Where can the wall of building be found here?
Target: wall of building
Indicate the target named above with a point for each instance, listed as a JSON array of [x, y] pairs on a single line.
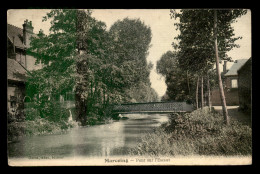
[[16, 88], [20, 57], [30, 63], [230, 94], [228, 80], [17, 91], [245, 85]]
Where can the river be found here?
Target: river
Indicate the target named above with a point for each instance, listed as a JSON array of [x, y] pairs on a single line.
[[113, 139]]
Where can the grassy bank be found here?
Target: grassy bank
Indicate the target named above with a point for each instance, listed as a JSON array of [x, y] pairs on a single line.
[[201, 132], [40, 126], [32, 124]]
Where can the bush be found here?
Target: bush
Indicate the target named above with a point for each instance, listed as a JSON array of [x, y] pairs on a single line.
[[233, 140], [160, 143], [198, 133], [31, 114], [16, 130], [48, 109], [17, 116], [53, 111], [196, 124]]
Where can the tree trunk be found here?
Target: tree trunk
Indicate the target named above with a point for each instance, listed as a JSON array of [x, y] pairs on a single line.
[[197, 92], [222, 95], [81, 103], [81, 108], [188, 82], [103, 97], [209, 97], [202, 93]]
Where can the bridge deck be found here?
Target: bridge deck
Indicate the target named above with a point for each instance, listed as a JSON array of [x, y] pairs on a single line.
[[153, 107]]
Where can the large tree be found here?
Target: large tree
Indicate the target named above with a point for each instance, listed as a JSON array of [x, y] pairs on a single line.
[[200, 43], [131, 42], [70, 53], [99, 66], [179, 83]]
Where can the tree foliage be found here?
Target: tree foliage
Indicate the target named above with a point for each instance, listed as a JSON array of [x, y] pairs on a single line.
[[179, 82], [131, 39], [100, 66], [196, 38], [195, 51], [167, 63]]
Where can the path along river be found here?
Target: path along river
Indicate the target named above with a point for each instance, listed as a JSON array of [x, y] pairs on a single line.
[[113, 139]]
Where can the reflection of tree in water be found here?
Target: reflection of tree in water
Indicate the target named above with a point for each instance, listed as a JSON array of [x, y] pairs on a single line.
[[101, 140], [114, 137], [97, 140]]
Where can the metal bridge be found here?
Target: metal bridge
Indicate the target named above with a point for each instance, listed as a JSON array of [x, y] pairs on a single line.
[[149, 107], [153, 107]]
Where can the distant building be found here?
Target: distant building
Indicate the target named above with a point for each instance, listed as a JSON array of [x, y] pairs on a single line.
[[231, 76], [230, 84], [19, 63], [245, 85]]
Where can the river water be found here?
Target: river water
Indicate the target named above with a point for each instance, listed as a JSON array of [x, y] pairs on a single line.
[[113, 139]]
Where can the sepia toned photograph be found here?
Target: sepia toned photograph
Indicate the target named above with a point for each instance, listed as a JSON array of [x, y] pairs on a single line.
[[129, 87]]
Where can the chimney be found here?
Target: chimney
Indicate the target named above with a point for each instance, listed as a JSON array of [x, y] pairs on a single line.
[[225, 67], [27, 32]]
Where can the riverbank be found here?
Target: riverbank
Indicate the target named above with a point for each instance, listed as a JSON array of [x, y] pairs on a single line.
[[40, 126], [111, 139], [201, 132]]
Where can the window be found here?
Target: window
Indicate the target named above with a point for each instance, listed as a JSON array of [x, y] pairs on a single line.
[[18, 57], [13, 104], [13, 100], [234, 83]]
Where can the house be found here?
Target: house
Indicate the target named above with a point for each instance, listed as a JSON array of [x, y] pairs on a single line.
[[231, 76], [230, 84], [16, 75], [18, 40], [19, 63], [245, 85]]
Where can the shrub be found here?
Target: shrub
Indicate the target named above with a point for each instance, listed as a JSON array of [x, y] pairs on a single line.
[[53, 111], [17, 116], [198, 133], [15, 130], [160, 143], [92, 118], [196, 124], [235, 139], [31, 114], [38, 126]]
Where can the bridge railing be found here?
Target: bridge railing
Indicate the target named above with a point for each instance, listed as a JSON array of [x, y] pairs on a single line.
[[154, 107]]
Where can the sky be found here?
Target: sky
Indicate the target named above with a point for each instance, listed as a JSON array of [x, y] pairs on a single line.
[[162, 27]]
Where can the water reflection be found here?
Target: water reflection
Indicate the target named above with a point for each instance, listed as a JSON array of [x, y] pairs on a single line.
[[100, 140]]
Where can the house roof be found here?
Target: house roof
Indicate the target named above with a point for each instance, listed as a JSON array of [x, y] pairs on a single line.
[[17, 34], [15, 71], [247, 62], [237, 65]]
